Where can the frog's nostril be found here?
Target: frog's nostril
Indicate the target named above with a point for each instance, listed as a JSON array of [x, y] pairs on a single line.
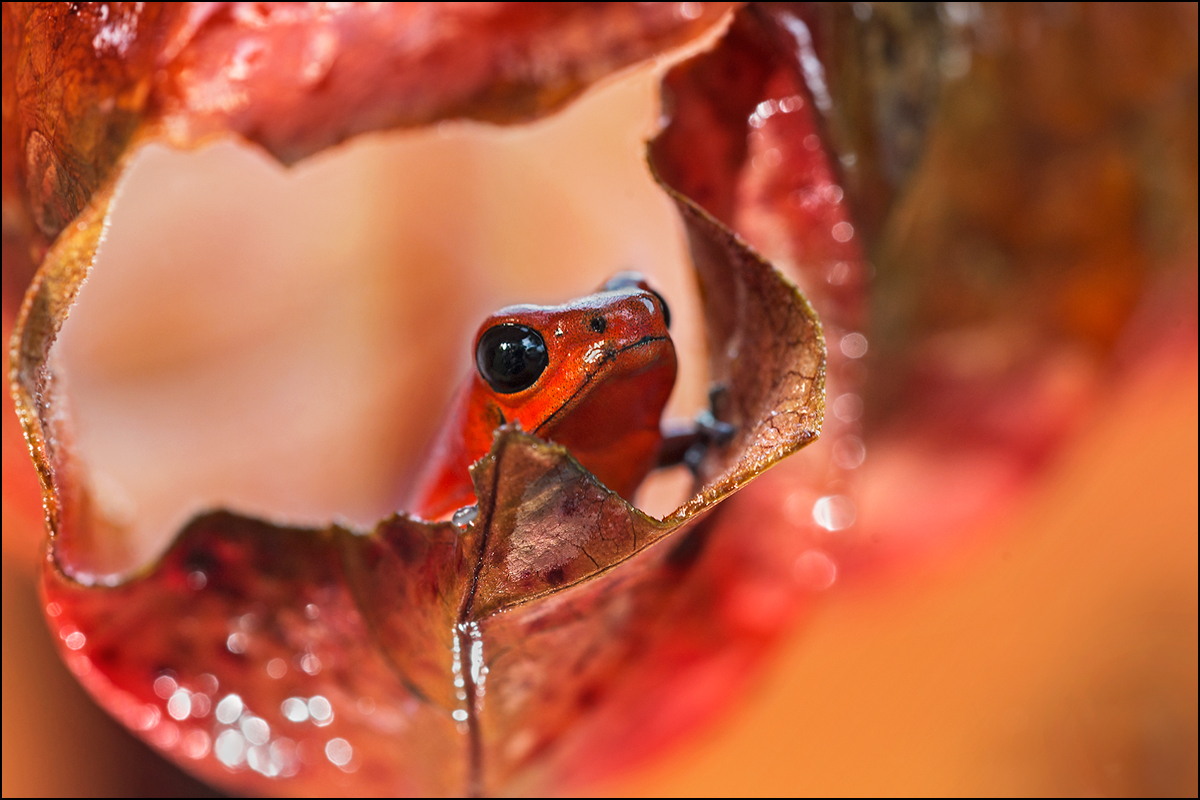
[[598, 324]]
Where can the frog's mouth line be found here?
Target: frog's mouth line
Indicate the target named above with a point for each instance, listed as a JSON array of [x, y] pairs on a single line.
[[609, 357]]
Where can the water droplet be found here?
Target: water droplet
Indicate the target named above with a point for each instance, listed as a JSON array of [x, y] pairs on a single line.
[[310, 664], [145, 718], [478, 668], [465, 516], [276, 668], [197, 580], [815, 571], [789, 104], [834, 513], [165, 735], [768, 159], [319, 56], [201, 705], [766, 108], [839, 273], [115, 35], [520, 744], [258, 758], [843, 232], [833, 193], [165, 686], [312, 611], [853, 345], [256, 730], [690, 10], [321, 710], [460, 714], [849, 452], [848, 407], [229, 709], [76, 640], [196, 744], [294, 709], [230, 749], [180, 704], [366, 705], [848, 160], [53, 609], [208, 683], [284, 757], [339, 751], [245, 56], [797, 507], [812, 143], [236, 643]]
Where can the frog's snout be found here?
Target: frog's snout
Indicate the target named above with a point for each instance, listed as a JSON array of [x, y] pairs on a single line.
[[635, 280]]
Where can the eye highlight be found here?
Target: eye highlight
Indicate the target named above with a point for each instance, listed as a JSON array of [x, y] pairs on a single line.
[[511, 357]]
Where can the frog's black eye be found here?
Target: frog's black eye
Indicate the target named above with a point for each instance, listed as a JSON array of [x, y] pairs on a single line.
[[511, 357]]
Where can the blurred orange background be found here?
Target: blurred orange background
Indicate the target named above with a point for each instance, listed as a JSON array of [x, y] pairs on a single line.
[[1054, 656]]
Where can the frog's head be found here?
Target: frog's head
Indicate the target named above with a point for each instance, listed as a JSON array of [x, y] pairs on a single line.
[[592, 375], [603, 364]]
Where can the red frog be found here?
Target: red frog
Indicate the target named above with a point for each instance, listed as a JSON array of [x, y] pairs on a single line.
[[592, 375]]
